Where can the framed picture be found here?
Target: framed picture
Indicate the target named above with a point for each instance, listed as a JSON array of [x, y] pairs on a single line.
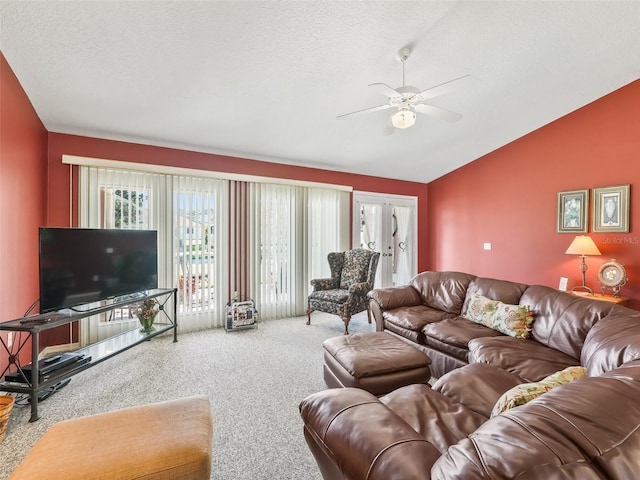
[[572, 211], [611, 209]]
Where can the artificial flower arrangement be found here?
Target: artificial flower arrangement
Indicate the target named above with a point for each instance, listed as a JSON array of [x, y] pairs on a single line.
[[146, 313]]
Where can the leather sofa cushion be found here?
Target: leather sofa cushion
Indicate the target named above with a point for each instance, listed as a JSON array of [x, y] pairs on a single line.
[[411, 335], [501, 290], [436, 418], [528, 359], [569, 432], [562, 320], [452, 335], [415, 317], [613, 341], [444, 291], [477, 386]]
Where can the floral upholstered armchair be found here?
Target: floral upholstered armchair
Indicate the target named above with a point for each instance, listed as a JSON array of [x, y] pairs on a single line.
[[344, 294]]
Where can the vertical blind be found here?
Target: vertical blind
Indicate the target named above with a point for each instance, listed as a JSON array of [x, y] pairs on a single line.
[[329, 228], [220, 238], [276, 249], [200, 230]]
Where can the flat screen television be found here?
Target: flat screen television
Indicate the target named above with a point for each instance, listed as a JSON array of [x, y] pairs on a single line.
[[83, 265]]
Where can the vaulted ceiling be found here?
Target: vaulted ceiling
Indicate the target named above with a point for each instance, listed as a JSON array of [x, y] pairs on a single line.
[[266, 79]]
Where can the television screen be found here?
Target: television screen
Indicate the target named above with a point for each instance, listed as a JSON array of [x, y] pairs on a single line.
[[83, 265]]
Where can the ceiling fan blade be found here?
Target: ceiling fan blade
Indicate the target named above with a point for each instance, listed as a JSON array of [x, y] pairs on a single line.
[[366, 110], [437, 112], [385, 89], [446, 87]]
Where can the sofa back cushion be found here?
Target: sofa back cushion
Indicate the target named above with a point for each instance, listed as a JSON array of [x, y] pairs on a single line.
[[562, 320], [444, 291], [612, 342], [502, 290]]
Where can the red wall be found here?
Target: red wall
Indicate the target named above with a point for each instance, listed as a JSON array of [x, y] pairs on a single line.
[[59, 144], [509, 198], [23, 164]]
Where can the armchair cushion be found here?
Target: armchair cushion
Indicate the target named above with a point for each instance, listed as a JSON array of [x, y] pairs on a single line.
[[355, 268], [336, 295]]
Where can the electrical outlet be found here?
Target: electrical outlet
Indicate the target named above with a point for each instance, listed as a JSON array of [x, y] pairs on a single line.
[[9, 339], [487, 246]]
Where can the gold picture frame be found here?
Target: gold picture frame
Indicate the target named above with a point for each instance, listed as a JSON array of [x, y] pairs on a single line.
[[611, 209], [573, 206]]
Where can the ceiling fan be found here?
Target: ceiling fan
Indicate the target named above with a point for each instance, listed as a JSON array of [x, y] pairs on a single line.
[[408, 100]]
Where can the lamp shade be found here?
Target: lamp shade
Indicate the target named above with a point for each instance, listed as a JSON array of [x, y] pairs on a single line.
[[403, 118], [583, 245]]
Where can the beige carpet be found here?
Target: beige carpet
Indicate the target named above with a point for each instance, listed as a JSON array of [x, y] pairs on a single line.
[[255, 379]]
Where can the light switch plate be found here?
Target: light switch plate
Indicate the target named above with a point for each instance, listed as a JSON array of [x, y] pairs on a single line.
[[563, 284], [487, 246]]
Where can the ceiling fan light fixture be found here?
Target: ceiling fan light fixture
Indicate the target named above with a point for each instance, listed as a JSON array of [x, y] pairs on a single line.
[[403, 118]]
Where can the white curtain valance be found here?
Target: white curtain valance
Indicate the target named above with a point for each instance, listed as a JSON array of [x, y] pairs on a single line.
[[168, 170]]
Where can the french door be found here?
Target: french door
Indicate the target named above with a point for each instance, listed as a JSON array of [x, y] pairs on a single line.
[[387, 224]]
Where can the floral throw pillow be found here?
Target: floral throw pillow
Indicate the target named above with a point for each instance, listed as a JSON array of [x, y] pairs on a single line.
[[481, 310], [512, 320], [525, 392]]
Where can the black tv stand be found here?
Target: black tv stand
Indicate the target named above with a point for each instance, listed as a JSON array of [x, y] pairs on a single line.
[[46, 393], [33, 325]]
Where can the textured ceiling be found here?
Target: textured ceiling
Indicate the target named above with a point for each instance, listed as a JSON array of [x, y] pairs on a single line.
[[266, 79]]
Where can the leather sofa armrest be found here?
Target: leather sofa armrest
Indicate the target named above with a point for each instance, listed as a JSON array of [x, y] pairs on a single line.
[[325, 283], [394, 297], [382, 447]]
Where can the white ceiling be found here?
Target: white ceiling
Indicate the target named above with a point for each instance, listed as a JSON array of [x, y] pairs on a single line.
[[266, 79]]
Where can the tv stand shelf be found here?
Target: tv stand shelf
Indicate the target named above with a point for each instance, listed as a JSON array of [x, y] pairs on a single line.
[[98, 351]]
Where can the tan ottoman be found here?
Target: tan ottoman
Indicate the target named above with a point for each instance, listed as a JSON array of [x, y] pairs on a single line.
[[377, 362], [168, 440]]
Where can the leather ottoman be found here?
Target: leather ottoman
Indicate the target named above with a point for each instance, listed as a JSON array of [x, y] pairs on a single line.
[[377, 362]]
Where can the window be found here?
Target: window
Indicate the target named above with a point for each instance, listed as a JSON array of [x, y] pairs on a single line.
[[279, 235]]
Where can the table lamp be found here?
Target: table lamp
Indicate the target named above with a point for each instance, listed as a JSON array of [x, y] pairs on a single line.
[[583, 245]]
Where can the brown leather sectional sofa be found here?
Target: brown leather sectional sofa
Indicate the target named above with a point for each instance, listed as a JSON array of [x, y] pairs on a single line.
[[586, 429]]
